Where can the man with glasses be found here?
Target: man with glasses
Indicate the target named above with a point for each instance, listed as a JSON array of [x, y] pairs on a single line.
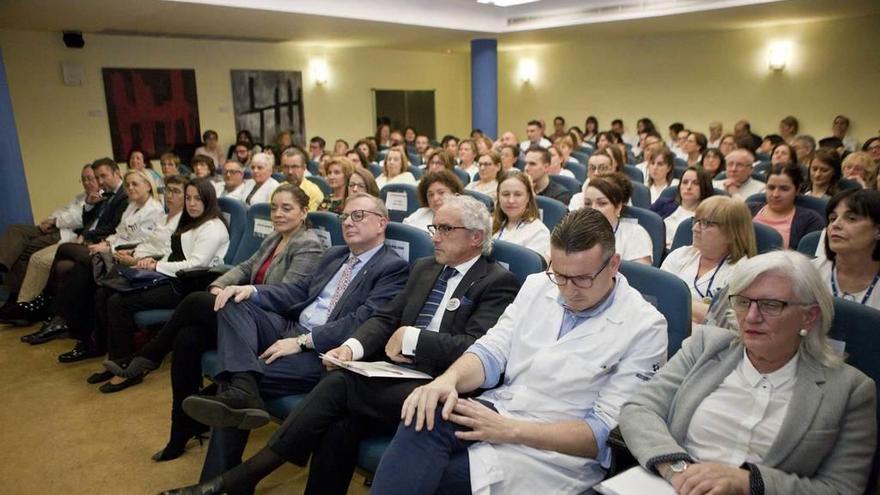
[[293, 166], [576, 343], [233, 181], [448, 302], [739, 182], [269, 336]]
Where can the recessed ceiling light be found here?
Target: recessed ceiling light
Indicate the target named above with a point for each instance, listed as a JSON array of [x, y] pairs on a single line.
[[506, 3]]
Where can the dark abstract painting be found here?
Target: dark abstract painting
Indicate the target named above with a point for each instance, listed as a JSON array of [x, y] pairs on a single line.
[[267, 102], [155, 110]]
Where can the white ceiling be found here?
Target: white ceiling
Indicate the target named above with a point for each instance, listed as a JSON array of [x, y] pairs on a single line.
[[441, 25]]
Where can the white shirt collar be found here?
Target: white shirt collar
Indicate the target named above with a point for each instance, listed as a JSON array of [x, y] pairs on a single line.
[[462, 268], [777, 378]]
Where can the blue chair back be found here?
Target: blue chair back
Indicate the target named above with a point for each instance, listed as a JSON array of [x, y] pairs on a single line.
[[809, 202], [551, 211], [279, 177], [655, 227], [404, 200], [520, 163], [582, 156], [259, 226], [380, 156], [578, 169], [668, 193], [375, 169], [521, 261], [328, 227], [766, 238], [680, 163], [463, 176], [857, 325], [416, 172], [668, 293], [572, 185], [634, 173], [809, 243], [313, 167], [641, 195], [322, 184], [482, 198], [408, 242], [848, 184], [235, 212], [677, 172], [414, 159], [760, 171]]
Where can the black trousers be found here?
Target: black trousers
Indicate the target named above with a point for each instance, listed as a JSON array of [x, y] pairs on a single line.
[[17, 245], [115, 315], [74, 287], [330, 422]]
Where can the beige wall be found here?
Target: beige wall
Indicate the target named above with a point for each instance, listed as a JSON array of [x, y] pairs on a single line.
[[699, 77], [61, 127]]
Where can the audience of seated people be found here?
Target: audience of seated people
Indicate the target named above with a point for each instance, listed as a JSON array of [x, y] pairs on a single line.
[[722, 236], [723, 241], [516, 217], [433, 189]]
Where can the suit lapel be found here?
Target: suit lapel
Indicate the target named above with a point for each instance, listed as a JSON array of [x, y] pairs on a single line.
[[357, 281], [474, 275], [805, 400], [693, 392]]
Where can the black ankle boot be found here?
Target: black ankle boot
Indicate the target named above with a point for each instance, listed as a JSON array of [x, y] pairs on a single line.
[[239, 406]]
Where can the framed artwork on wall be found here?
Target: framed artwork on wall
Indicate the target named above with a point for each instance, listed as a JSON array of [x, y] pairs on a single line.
[[268, 102]]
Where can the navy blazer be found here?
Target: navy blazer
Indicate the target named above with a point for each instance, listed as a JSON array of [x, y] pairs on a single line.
[[375, 284], [485, 292], [109, 214]]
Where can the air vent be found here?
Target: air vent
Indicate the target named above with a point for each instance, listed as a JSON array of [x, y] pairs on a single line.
[[155, 34], [622, 10]]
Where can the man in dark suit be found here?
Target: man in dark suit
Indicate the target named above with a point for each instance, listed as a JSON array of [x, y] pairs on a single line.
[[448, 303], [268, 343]]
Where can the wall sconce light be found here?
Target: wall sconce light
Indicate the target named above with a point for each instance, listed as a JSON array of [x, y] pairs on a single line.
[[528, 69], [321, 71], [778, 56]]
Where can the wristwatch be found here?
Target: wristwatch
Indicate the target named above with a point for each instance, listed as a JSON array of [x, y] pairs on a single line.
[[674, 468], [302, 340]]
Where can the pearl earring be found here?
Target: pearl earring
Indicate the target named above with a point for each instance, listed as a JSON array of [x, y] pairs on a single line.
[[803, 332]]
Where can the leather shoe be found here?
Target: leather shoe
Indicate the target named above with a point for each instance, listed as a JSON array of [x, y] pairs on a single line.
[[109, 388], [82, 351], [50, 330], [233, 408], [211, 487], [101, 376], [137, 366]]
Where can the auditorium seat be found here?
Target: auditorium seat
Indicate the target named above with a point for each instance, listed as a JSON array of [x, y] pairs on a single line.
[[405, 200], [235, 213], [328, 227], [572, 185], [668, 293], [809, 243], [551, 211], [375, 169], [409, 242], [579, 170], [482, 198], [641, 195], [634, 173], [463, 176], [655, 227], [521, 261], [321, 183], [766, 238]]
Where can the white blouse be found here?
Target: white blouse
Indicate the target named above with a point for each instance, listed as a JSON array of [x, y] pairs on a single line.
[[824, 265], [404, 178], [137, 223], [684, 263], [673, 221], [738, 422], [263, 194], [203, 247], [159, 244], [238, 193], [490, 189], [533, 235], [632, 240], [420, 218]]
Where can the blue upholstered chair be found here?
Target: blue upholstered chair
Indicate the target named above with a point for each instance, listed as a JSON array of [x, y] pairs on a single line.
[[463, 176], [655, 227], [375, 169], [482, 198], [809, 243], [408, 242], [328, 227], [641, 195], [578, 169], [405, 200], [235, 213], [634, 173], [551, 211], [322, 184], [521, 261], [572, 185], [668, 293]]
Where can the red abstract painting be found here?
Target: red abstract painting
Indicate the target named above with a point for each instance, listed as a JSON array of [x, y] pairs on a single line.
[[154, 110]]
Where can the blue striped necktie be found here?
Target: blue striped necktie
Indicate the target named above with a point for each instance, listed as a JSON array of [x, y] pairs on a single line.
[[433, 302]]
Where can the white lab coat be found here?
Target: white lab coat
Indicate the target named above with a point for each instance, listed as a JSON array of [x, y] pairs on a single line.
[[597, 366]]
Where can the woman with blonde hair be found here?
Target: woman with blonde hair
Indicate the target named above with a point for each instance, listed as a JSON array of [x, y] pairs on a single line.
[[339, 170], [723, 235], [395, 169], [487, 183], [861, 168], [516, 217]]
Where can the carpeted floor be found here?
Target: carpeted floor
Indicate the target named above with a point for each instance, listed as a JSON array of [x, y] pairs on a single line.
[[59, 435]]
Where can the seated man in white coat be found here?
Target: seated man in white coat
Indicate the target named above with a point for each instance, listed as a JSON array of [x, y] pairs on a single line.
[[572, 347]]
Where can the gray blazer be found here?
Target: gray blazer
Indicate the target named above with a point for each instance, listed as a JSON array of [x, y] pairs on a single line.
[[825, 444], [299, 258]]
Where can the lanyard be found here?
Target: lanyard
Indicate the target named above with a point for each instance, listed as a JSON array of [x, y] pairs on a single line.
[[707, 296], [834, 291], [501, 231]]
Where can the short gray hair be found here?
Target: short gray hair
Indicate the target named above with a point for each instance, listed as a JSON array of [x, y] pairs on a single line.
[[808, 288], [378, 204], [265, 158], [474, 216]]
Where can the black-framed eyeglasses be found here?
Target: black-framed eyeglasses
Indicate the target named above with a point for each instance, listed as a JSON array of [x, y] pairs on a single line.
[[580, 281], [232, 172], [767, 307], [357, 215], [705, 223], [443, 229]]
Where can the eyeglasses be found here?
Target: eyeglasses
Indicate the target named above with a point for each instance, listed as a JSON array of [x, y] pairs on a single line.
[[173, 192], [232, 172], [357, 215], [767, 307], [705, 223], [86, 180], [443, 229], [580, 281], [291, 167], [485, 164]]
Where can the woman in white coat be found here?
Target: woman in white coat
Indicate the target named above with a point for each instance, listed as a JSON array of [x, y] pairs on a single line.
[[516, 218], [260, 187]]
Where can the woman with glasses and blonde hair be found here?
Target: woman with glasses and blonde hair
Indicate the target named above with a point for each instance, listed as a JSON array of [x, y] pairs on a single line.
[[723, 235], [487, 183], [861, 168], [436, 159], [516, 217], [395, 169], [765, 407]]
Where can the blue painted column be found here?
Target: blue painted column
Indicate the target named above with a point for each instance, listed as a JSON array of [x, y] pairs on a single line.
[[15, 203], [484, 86]]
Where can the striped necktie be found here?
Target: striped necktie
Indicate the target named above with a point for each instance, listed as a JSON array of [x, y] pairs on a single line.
[[433, 302], [344, 280]]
